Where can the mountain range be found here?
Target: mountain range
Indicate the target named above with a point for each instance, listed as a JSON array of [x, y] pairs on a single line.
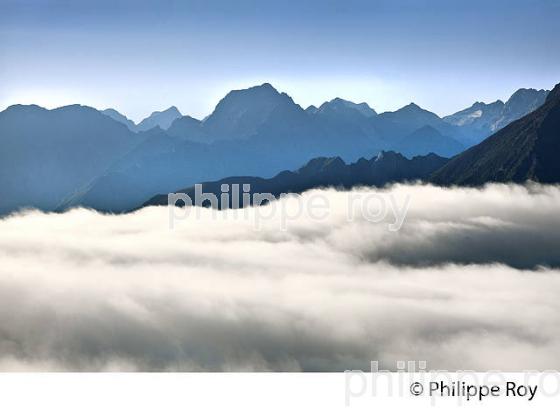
[[76, 155], [162, 119], [485, 119], [526, 149], [386, 167], [47, 154]]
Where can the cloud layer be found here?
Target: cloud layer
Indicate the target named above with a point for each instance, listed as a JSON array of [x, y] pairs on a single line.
[[470, 281]]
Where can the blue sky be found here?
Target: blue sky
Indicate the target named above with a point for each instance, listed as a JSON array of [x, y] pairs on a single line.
[[141, 56]]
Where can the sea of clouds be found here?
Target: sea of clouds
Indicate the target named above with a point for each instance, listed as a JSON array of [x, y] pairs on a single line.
[[469, 282]]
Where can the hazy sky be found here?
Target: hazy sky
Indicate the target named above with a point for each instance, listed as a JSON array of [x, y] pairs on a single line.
[[141, 56]]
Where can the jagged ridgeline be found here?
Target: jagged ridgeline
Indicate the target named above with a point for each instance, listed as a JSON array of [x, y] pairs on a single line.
[[79, 156]]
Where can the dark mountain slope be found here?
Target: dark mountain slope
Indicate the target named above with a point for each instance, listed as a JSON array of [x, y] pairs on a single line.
[[481, 120], [281, 136], [46, 155], [385, 168], [527, 149]]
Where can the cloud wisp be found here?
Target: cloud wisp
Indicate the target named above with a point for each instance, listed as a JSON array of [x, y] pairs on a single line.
[[470, 281]]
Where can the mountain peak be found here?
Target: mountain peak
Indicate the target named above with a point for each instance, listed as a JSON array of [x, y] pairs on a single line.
[[242, 112], [388, 155], [267, 86], [311, 109], [70, 107], [528, 91], [171, 110], [526, 149], [339, 104], [25, 107], [263, 89], [117, 116], [483, 119], [527, 96], [322, 164], [162, 119], [413, 108], [554, 94]]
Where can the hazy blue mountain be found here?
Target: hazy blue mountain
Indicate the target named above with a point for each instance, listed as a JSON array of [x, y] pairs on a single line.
[[117, 116], [426, 140], [522, 102], [257, 131], [155, 165], [263, 115], [412, 117], [242, 113], [168, 161], [386, 167], [479, 115], [344, 107], [413, 130], [262, 112], [46, 155], [258, 112], [348, 120], [162, 119], [311, 109], [481, 120], [188, 128], [526, 149]]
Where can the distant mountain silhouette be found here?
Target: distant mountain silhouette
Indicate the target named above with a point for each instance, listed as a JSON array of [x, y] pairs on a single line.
[[480, 120], [526, 149], [521, 102], [46, 155], [426, 140], [387, 167], [262, 112], [344, 107], [79, 156], [162, 119], [259, 131], [164, 162], [159, 163], [189, 128], [411, 117], [311, 109], [117, 116], [241, 113]]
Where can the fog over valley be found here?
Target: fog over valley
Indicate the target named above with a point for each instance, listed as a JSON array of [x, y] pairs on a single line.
[[475, 272]]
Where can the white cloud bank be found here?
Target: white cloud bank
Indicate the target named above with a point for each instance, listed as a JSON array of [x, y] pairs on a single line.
[[471, 281]]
